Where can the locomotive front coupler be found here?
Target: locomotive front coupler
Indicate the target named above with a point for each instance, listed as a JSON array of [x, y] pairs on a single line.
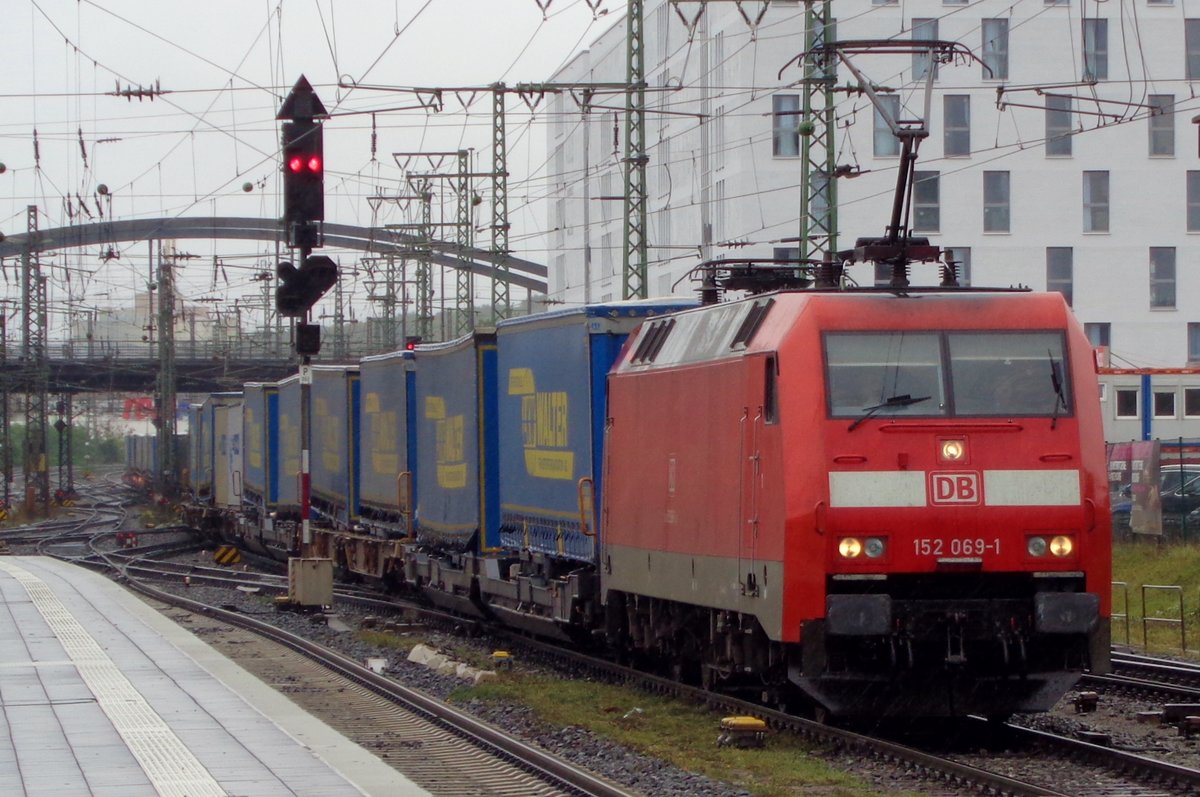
[[956, 648]]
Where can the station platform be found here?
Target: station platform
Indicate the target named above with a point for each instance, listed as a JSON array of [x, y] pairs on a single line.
[[102, 696]]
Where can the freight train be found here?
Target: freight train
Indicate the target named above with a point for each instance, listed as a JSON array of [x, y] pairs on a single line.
[[874, 502]]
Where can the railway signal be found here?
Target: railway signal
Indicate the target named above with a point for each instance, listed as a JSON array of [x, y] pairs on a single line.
[[303, 172], [300, 288], [303, 165]]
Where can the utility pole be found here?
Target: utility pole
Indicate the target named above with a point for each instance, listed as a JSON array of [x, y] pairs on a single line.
[[501, 302], [6, 458], [818, 188], [33, 316], [66, 449], [166, 390], [634, 258], [465, 230], [425, 266]]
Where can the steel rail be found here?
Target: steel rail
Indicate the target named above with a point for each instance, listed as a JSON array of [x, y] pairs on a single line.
[[549, 767]]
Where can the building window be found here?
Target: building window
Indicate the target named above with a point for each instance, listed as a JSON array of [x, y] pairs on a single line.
[[662, 21], [995, 202], [664, 166], [1058, 125], [560, 272], [718, 138], [1095, 49], [1095, 201], [886, 145], [1164, 403], [1162, 277], [995, 49], [1127, 402], [926, 202], [1099, 334], [1193, 201], [607, 199], [1193, 342], [718, 211], [664, 234], [1060, 267], [1162, 124], [785, 113], [961, 255], [956, 124], [923, 30], [1191, 402], [1191, 37], [606, 255]]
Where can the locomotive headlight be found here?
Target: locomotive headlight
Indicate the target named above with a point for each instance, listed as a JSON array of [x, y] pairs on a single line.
[[850, 547], [953, 450], [1061, 546], [874, 547], [1036, 546]]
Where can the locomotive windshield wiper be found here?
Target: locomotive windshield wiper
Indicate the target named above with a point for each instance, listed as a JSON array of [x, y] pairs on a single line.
[[891, 402], [1060, 400]]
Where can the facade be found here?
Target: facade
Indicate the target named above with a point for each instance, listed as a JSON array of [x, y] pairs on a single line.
[[1061, 156]]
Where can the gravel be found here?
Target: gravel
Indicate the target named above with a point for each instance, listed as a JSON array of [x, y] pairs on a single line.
[[587, 750]]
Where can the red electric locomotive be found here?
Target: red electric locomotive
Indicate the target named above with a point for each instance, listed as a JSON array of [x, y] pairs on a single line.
[[893, 501]]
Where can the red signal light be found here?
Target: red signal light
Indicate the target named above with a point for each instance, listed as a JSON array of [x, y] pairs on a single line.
[[314, 164], [295, 164]]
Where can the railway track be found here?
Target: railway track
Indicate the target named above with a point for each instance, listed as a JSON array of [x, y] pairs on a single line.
[[435, 745], [1079, 767], [1090, 770]]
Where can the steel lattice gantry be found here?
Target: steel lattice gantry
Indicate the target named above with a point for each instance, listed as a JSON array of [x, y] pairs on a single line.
[[634, 262], [818, 188]]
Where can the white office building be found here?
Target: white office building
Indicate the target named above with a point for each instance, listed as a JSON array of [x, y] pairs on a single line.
[[1061, 156]]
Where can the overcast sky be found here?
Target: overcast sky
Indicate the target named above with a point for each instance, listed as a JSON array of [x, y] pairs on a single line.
[[81, 73]]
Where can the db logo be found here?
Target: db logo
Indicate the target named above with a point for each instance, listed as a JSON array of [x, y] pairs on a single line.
[[954, 488]]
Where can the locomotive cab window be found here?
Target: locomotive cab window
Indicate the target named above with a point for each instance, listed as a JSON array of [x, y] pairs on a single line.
[[901, 371], [932, 374], [1009, 373]]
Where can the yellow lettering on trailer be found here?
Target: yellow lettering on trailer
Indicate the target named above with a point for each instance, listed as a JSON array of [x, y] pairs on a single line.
[[520, 381], [385, 461], [545, 433], [254, 432], [451, 452]]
